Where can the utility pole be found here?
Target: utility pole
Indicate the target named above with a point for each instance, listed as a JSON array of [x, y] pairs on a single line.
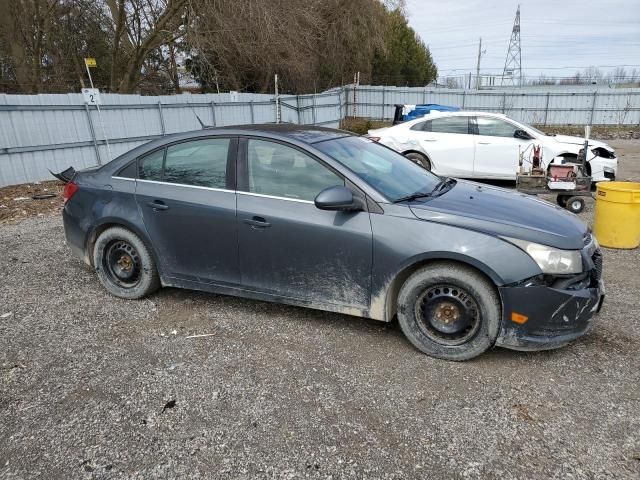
[[513, 62], [478, 66]]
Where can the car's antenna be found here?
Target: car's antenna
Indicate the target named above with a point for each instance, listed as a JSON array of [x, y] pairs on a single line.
[[201, 122]]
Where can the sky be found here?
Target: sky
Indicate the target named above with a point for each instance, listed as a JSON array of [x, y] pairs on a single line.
[[558, 36]]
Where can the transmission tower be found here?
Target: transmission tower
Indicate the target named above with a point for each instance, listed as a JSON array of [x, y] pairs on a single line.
[[513, 64]]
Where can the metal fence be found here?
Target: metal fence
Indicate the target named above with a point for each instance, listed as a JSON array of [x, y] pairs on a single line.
[[39, 133], [549, 106]]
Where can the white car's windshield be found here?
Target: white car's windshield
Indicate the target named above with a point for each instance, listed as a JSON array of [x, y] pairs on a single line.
[[390, 173]]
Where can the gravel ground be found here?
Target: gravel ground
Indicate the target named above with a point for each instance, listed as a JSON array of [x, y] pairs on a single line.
[[92, 386]]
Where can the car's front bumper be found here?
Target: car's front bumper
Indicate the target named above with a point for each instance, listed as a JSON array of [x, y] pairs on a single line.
[[554, 317]]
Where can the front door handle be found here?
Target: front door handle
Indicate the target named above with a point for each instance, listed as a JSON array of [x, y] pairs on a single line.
[[484, 143], [430, 140], [257, 222], [158, 205]]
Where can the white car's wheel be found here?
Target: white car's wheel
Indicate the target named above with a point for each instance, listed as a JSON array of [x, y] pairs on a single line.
[[419, 159]]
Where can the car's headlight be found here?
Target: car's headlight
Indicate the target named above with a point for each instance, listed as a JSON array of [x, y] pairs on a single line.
[[551, 260]]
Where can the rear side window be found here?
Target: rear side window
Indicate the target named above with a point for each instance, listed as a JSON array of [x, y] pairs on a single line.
[[421, 126], [459, 125], [150, 167], [201, 163], [282, 171]]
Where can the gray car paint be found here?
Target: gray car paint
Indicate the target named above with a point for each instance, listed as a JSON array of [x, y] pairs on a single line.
[[353, 259]]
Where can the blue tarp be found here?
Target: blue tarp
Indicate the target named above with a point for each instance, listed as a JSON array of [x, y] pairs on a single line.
[[411, 112]]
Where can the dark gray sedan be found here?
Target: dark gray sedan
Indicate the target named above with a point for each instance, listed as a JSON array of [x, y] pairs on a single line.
[[325, 219]]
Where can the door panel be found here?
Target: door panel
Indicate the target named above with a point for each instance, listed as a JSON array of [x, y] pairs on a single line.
[[292, 249], [287, 246], [448, 143], [497, 150], [190, 220]]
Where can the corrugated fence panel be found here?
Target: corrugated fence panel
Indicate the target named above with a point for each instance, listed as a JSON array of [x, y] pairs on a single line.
[[42, 132]]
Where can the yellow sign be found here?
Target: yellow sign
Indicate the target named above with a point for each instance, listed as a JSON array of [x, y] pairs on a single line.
[[90, 62]]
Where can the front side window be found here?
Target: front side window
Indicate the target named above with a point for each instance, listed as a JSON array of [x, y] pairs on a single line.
[[201, 163], [391, 174], [281, 171], [494, 127]]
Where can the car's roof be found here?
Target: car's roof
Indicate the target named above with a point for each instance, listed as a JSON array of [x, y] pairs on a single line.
[[303, 133]]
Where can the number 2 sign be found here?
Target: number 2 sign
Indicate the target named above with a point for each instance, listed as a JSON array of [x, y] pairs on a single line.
[[91, 96]]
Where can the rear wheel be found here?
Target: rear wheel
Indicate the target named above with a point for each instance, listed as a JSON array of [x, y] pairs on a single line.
[[562, 200], [419, 159], [449, 311], [124, 264]]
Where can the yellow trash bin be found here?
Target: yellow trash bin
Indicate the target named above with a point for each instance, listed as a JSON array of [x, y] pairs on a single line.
[[617, 217]]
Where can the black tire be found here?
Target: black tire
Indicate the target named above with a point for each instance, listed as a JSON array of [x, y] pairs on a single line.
[[419, 159], [575, 204], [562, 200], [124, 264], [431, 291]]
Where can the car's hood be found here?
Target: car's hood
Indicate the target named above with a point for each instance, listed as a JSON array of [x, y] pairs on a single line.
[[503, 212], [579, 141]]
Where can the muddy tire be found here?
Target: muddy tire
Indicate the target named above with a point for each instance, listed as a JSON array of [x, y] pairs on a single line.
[[449, 311], [419, 159], [124, 264]]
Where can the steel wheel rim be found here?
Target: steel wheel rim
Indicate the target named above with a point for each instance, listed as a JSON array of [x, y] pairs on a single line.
[[576, 204], [447, 314], [122, 264]]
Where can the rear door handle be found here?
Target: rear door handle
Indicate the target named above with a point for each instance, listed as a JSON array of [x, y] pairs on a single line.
[[430, 140], [257, 222], [158, 205], [484, 143]]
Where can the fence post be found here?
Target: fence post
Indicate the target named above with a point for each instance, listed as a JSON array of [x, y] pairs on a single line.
[[464, 97], [93, 134], [546, 109], [253, 120], [384, 90], [504, 102], [298, 108], [213, 112], [161, 118], [313, 108], [424, 96], [593, 107]]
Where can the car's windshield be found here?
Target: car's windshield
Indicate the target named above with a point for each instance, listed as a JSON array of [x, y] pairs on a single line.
[[390, 173]]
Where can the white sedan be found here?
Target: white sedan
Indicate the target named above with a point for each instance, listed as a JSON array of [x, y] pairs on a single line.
[[488, 145]]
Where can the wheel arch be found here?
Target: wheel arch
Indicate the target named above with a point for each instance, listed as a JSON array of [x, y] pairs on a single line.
[[109, 222], [393, 288], [425, 154]]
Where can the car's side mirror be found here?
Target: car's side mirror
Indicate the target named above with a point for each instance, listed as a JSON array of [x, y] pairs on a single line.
[[338, 198], [522, 135]]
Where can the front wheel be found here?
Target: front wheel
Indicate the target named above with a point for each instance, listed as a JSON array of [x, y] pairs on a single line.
[[449, 311], [124, 264], [419, 159]]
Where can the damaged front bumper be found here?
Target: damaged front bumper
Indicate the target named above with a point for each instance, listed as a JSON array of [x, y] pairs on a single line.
[[554, 317]]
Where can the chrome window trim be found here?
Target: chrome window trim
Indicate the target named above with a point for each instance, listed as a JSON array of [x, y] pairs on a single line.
[[185, 185], [299, 200], [215, 189]]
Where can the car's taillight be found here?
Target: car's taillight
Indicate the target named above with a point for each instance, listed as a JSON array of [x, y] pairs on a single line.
[[375, 139], [69, 190]]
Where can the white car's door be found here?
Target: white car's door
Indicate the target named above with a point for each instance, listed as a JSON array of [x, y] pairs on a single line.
[[449, 144], [497, 149]]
